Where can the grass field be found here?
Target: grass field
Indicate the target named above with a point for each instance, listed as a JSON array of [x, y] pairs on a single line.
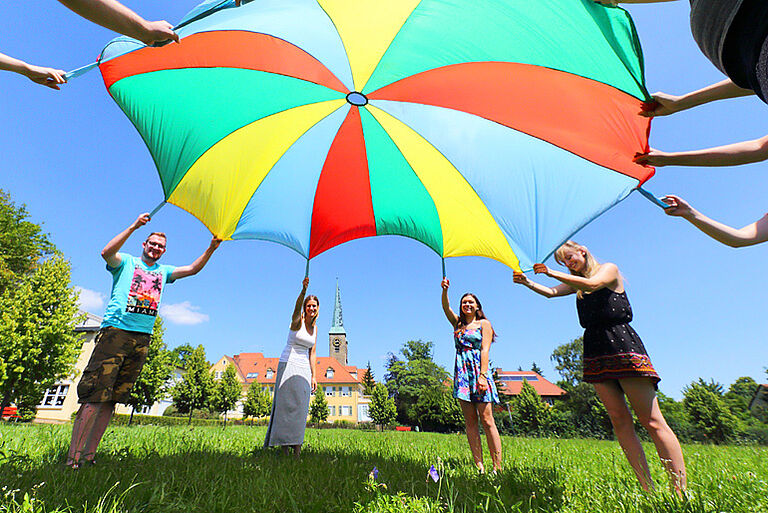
[[210, 469]]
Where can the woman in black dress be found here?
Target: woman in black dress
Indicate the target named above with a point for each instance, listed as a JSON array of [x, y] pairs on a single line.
[[615, 360]]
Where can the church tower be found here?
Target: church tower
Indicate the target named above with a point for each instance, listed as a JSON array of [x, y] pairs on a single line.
[[337, 337]]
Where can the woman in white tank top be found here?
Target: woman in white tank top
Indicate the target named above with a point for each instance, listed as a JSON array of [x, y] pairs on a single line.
[[295, 380]]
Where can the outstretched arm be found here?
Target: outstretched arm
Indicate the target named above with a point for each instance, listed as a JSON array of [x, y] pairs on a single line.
[[48, 77], [608, 274], [559, 290], [115, 16], [296, 318], [664, 104], [749, 235], [449, 313], [746, 152], [198, 264], [109, 253]]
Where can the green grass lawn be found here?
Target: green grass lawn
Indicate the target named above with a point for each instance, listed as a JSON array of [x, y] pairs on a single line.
[[210, 469]]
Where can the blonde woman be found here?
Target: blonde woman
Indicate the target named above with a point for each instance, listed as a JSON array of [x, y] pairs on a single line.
[[615, 360], [295, 379]]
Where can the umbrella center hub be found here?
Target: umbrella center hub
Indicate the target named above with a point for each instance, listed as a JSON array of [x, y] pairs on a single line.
[[357, 99]]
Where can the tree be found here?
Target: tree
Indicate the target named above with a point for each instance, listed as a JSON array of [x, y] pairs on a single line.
[[437, 410], [568, 360], [318, 409], [151, 384], [258, 402], [584, 412], [535, 368], [708, 412], [739, 396], [408, 379], [180, 355], [194, 390], [22, 243], [529, 414], [382, 409], [368, 382], [226, 392], [37, 329]]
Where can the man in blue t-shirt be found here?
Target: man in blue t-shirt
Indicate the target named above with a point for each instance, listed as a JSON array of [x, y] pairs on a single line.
[[123, 341]]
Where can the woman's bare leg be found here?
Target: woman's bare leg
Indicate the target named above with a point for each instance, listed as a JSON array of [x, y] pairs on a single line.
[[642, 397], [485, 412], [473, 433], [612, 397]]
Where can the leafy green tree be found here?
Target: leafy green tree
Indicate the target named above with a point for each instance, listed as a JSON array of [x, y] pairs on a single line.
[[368, 382], [382, 408], [437, 410], [535, 368], [258, 402], [22, 243], [194, 390], [37, 329], [180, 355], [226, 392], [151, 384], [529, 413], [708, 412], [568, 359], [318, 408], [586, 416], [739, 396], [407, 379]]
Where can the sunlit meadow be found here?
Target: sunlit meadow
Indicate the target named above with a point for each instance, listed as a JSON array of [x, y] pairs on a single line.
[[210, 469]]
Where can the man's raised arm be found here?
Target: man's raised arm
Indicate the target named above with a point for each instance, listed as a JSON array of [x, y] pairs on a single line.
[[198, 264], [109, 253]]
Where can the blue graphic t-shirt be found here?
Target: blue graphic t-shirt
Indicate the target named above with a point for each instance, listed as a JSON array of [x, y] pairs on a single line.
[[136, 292]]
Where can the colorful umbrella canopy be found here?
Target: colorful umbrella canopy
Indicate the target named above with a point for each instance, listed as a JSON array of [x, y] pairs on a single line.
[[495, 128]]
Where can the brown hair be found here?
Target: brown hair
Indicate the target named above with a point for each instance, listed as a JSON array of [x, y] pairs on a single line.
[[159, 234], [307, 300], [479, 315]]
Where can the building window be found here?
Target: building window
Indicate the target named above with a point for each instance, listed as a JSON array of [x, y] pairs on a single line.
[[252, 375], [55, 396], [329, 391], [219, 374], [346, 411], [270, 373], [331, 410], [346, 392], [329, 373], [354, 374], [549, 401], [145, 410]]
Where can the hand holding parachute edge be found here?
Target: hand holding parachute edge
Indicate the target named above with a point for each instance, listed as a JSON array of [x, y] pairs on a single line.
[[678, 207], [141, 221], [48, 77], [662, 104], [653, 157], [445, 284], [519, 277], [541, 269]]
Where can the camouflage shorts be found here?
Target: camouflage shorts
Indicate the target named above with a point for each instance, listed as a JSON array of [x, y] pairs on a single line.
[[115, 364]]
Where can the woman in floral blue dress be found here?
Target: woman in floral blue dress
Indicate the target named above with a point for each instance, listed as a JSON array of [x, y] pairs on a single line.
[[472, 383]]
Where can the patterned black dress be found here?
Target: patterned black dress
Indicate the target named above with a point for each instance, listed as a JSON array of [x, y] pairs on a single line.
[[612, 349]]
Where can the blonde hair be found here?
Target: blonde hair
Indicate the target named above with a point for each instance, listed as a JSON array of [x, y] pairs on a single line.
[[591, 267]]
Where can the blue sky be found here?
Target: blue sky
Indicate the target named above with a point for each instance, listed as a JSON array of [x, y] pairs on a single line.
[[77, 163]]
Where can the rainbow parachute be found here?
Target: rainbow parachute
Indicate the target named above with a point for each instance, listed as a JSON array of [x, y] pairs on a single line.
[[495, 128]]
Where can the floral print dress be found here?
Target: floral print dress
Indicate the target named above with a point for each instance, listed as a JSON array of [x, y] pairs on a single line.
[[467, 369]]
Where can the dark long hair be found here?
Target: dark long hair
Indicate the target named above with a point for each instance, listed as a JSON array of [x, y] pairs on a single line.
[[461, 324]]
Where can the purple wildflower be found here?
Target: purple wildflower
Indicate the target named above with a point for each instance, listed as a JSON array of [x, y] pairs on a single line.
[[432, 472], [374, 474]]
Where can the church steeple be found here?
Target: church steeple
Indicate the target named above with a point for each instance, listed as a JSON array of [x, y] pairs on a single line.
[[337, 336], [338, 322]]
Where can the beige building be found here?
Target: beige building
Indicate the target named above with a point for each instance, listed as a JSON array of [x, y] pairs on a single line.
[[59, 403]]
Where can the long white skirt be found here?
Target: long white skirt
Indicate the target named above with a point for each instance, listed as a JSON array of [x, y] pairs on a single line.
[[290, 405]]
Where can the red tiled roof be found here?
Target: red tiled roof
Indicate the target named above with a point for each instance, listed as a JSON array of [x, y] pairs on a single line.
[[248, 363], [544, 387]]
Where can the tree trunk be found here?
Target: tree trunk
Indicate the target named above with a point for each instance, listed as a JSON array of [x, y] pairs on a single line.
[[133, 409], [7, 397], [190, 417], [225, 419]]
